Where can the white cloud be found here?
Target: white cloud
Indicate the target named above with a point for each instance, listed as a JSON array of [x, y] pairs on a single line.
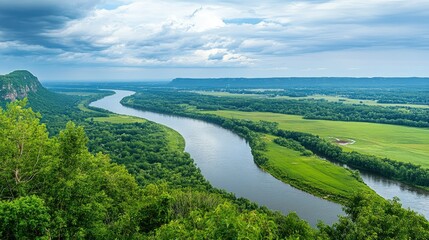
[[169, 33]]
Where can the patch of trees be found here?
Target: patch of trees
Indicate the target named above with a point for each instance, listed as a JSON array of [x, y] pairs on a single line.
[[406, 172], [399, 95], [373, 218], [144, 150], [310, 109], [294, 145]]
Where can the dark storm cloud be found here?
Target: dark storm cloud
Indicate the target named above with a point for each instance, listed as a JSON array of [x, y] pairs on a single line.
[[26, 21]]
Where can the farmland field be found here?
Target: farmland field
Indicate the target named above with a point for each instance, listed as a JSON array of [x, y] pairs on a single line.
[[406, 144]]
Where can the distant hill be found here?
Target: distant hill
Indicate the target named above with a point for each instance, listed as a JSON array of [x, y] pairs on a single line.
[[18, 84], [55, 108], [297, 82]]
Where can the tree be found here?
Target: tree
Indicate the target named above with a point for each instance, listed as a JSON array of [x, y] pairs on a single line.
[[24, 218], [25, 149]]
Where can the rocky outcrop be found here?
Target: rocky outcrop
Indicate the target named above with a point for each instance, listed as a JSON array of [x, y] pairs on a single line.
[[17, 85]]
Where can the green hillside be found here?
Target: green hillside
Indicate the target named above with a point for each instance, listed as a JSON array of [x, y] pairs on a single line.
[[18, 84]]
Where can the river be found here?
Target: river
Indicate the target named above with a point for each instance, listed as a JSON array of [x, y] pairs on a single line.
[[226, 162]]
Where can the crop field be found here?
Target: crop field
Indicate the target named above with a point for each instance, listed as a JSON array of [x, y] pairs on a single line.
[[311, 173], [401, 143]]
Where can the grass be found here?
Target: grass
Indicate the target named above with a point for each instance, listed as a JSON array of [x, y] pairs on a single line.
[[401, 143], [316, 97], [310, 173], [175, 140], [356, 101], [84, 94], [113, 118]]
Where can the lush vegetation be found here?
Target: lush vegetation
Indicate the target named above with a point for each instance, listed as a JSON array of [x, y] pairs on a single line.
[[371, 218], [405, 144], [56, 183], [152, 153], [310, 109], [289, 161], [55, 188], [381, 90], [17, 84], [173, 102], [344, 98]]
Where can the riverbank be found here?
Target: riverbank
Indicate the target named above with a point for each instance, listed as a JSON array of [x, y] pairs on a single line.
[[311, 173], [401, 143]]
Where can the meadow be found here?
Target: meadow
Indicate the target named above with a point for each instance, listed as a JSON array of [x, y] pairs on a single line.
[[310, 173], [401, 143], [113, 118]]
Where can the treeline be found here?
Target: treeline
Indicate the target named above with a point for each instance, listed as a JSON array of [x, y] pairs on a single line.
[[405, 172], [299, 82], [402, 95], [310, 109]]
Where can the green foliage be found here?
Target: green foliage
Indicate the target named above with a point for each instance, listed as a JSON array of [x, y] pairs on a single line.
[[17, 84], [24, 218], [171, 102], [370, 218], [311, 109], [224, 222], [76, 194], [406, 172], [383, 90], [294, 145], [147, 152], [85, 196], [310, 173], [405, 144], [25, 149]]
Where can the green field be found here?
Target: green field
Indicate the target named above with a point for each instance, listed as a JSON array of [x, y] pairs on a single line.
[[175, 140], [310, 173], [406, 144], [119, 119], [84, 94], [315, 97]]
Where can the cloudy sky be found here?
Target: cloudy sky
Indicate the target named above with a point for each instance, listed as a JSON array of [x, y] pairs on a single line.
[[163, 39]]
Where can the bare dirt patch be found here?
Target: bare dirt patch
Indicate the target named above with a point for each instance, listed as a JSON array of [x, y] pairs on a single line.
[[343, 141]]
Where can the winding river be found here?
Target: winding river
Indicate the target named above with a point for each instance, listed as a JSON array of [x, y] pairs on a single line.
[[226, 162]]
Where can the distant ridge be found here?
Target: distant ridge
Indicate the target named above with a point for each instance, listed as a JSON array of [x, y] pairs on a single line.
[[18, 84], [292, 82]]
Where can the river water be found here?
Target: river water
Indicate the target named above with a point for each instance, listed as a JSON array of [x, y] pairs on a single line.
[[226, 162]]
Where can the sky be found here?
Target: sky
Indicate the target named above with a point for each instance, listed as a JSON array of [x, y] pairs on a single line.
[[109, 40]]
